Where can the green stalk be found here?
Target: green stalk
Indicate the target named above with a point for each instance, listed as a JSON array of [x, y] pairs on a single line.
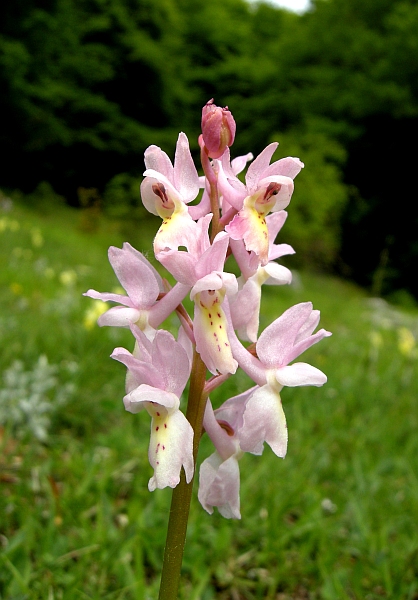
[[180, 502]]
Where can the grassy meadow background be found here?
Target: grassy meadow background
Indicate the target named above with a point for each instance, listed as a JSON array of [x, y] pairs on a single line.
[[337, 519]]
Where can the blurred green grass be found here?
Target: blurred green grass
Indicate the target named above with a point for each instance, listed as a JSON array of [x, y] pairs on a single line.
[[335, 520]]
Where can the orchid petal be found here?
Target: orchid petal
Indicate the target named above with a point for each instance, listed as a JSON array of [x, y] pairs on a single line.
[[289, 166], [232, 410], [246, 309], [300, 374], [119, 316], [285, 193], [170, 449], [258, 166], [277, 274], [231, 188], [277, 339], [216, 281], [157, 159], [248, 363], [176, 230], [213, 259], [167, 304], [181, 264], [127, 247], [251, 227], [143, 345], [108, 297], [143, 372], [163, 402], [275, 222], [198, 211], [238, 164], [247, 261], [172, 361], [264, 421], [186, 178], [279, 250], [211, 333], [219, 486], [148, 196], [307, 343], [308, 326], [224, 443], [135, 276]]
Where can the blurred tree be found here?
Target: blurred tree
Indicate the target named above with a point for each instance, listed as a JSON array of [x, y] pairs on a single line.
[[88, 85], [349, 69], [370, 59]]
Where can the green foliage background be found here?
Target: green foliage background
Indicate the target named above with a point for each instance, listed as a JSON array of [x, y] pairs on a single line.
[[87, 85], [335, 519]]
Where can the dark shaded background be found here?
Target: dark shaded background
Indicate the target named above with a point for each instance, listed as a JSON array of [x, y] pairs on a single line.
[[87, 85]]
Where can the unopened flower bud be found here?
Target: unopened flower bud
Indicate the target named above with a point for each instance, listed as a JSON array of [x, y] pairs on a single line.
[[218, 129]]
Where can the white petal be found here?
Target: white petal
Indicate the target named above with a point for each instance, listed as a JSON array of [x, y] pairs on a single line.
[[264, 421], [119, 316], [219, 486], [170, 449], [134, 401], [300, 374]]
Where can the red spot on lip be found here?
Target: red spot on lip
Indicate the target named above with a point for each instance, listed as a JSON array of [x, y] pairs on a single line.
[[157, 428], [210, 316], [158, 414], [219, 315], [165, 425]]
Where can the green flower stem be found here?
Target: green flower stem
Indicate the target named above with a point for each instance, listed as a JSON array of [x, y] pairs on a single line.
[[180, 502]]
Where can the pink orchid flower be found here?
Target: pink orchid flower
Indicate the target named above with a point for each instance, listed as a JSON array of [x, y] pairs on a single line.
[[219, 479], [158, 372], [279, 344], [268, 188], [143, 285], [166, 191]]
